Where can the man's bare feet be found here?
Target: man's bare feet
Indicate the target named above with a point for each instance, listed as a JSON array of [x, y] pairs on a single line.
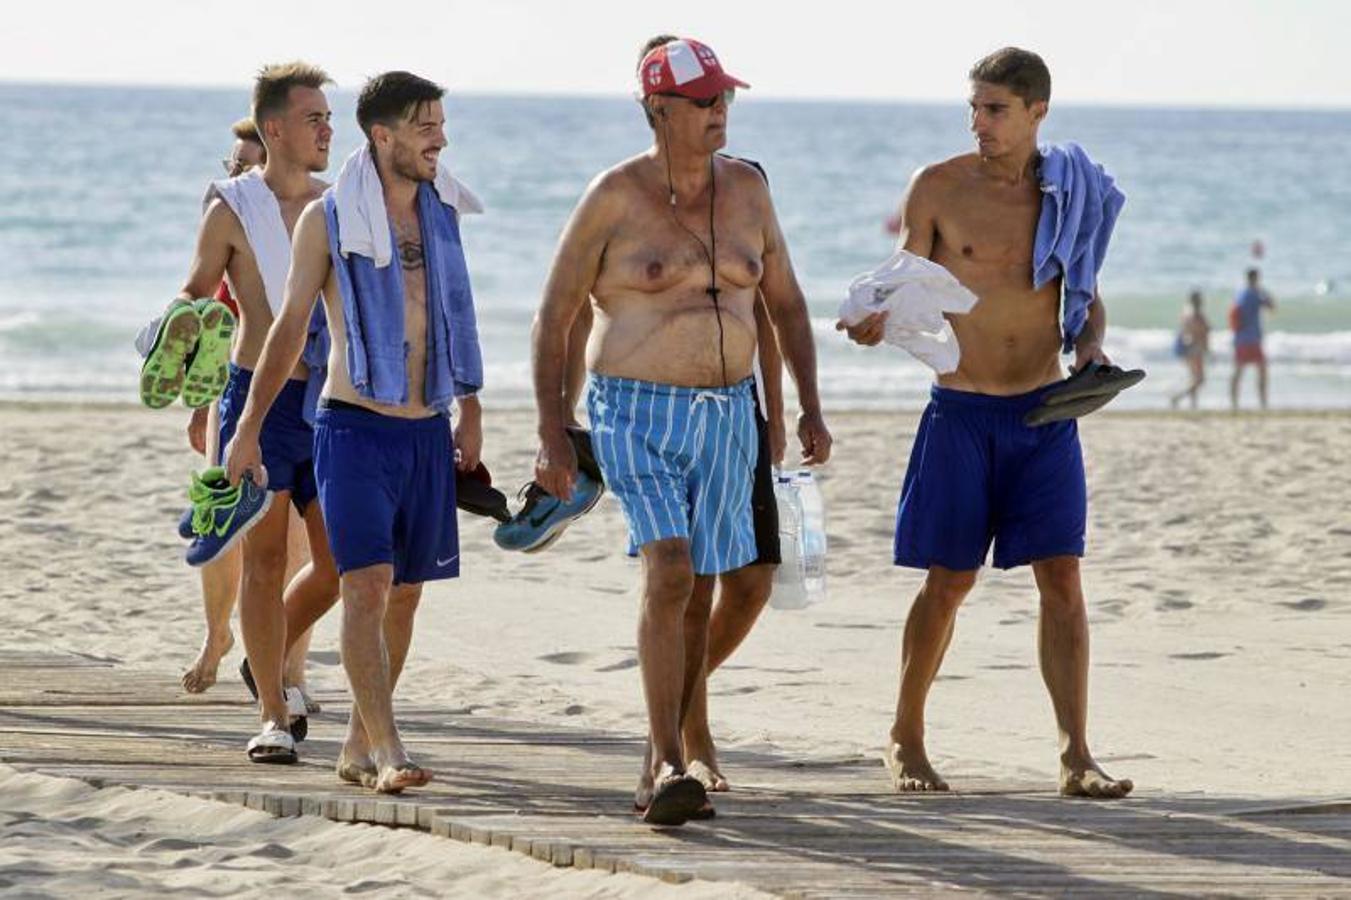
[[1085, 778], [708, 776], [360, 771], [702, 759], [643, 795], [202, 673], [395, 778], [910, 770]]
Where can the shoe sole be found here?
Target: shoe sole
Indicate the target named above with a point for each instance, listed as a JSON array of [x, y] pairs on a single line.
[[206, 376], [165, 366], [239, 533], [551, 535]]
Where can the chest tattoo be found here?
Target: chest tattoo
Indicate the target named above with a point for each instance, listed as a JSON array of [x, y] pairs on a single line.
[[410, 255]]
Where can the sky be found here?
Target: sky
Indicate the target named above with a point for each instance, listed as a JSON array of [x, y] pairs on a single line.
[[1265, 53]]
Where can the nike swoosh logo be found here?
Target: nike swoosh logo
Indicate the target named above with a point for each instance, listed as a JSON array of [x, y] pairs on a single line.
[[537, 521], [447, 561]]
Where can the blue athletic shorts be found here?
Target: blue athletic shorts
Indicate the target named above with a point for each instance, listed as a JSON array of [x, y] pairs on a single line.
[[387, 489], [286, 439], [681, 461], [977, 474]]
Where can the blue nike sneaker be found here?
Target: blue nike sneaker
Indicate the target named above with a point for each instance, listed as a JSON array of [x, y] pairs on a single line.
[[222, 513], [185, 524], [544, 518]]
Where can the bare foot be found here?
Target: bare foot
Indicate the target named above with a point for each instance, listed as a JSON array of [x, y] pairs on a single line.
[[394, 779], [359, 771], [643, 795], [703, 761], [708, 776], [910, 770], [1085, 778], [202, 673]]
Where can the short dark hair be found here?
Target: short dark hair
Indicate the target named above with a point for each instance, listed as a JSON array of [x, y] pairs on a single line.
[[272, 87], [391, 97], [1021, 71], [1254, 274], [649, 45]]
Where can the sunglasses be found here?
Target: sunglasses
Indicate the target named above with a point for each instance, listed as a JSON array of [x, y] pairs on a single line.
[[726, 96]]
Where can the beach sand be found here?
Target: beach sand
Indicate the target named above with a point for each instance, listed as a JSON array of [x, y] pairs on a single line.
[[1218, 579]]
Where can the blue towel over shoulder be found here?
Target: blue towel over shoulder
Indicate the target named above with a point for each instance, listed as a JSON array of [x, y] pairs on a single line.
[[1079, 206], [372, 302]]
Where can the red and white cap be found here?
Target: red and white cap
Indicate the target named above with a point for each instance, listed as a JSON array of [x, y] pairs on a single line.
[[687, 68]]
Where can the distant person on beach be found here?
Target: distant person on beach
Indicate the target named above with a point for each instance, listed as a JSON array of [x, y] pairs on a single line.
[[403, 348], [1192, 346], [245, 234], [220, 577], [977, 473], [1245, 319], [670, 247]]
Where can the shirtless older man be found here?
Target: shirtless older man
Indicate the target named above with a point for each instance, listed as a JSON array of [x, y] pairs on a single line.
[[404, 346], [670, 246], [977, 472]]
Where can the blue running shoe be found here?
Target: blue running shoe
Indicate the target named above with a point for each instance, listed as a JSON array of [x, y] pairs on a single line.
[[185, 524], [222, 513], [544, 518]]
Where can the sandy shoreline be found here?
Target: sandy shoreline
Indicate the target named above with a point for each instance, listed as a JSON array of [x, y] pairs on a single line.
[[1218, 577]]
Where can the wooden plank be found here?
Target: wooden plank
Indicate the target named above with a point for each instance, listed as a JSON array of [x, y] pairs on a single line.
[[798, 828]]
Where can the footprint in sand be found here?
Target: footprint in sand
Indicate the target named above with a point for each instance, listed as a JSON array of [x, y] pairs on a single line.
[[1203, 655], [1168, 604], [1308, 604], [575, 709], [1007, 666], [620, 666], [569, 658], [852, 625]]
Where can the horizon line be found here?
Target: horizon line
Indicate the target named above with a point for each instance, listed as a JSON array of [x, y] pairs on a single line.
[[1181, 105]]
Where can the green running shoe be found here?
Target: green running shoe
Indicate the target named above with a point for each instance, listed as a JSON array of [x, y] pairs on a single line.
[[222, 513], [165, 365], [208, 367]]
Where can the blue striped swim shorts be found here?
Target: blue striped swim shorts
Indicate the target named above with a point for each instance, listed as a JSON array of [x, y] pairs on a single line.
[[681, 462]]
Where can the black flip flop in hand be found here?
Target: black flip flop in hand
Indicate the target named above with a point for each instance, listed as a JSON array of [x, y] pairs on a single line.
[[1087, 390]]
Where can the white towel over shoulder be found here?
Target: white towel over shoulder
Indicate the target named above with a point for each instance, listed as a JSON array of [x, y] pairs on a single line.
[[916, 292], [253, 202], [359, 199]]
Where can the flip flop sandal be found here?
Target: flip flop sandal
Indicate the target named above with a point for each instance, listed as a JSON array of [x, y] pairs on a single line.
[[475, 494], [165, 365], [675, 800], [209, 367], [297, 707], [272, 745], [1072, 409], [1093, 380]]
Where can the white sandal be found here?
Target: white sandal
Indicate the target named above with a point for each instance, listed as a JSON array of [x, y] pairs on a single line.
[[272, 745]]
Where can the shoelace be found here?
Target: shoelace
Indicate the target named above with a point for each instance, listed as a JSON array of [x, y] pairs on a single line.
[[207, 500]]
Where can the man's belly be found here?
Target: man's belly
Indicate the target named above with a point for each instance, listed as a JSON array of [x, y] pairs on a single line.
[[248, 349], [1003, 360], [687, 348]]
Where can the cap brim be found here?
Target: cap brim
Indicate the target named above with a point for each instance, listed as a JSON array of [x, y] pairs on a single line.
[[709, 86]]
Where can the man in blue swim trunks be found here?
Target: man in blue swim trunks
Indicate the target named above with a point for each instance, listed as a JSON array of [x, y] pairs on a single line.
[[292, 118], [977, 474], [385, 458], [669, 247]]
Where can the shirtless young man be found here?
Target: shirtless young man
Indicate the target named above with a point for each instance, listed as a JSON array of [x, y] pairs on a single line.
[[384, 456], [670, 246], [292, 116], [976, 471], [220, 577]]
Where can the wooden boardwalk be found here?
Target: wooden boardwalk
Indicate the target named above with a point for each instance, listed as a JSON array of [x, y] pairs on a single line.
[[817, 828]]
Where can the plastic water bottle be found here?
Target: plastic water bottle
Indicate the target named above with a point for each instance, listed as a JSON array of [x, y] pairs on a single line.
[[813, 535], [800, 580], [790, 578]]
